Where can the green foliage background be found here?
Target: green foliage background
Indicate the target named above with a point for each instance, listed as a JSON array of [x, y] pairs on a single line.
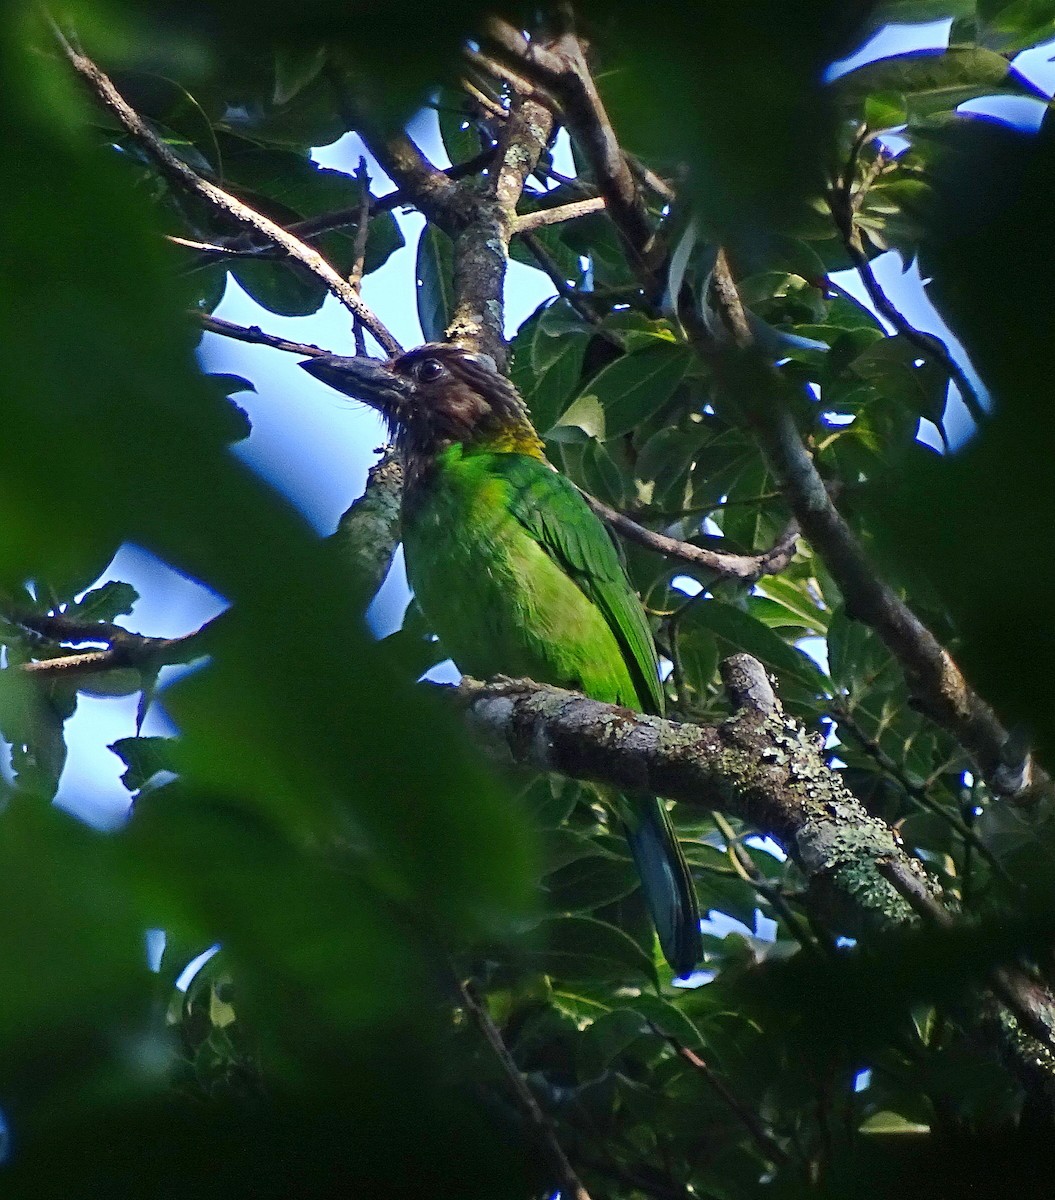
[[353, 857]]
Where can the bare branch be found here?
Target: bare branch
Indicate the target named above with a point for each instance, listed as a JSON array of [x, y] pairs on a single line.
[[570, 1183], [745, 567], [255, 336], [175, 169], [123, 649], [554, 216], [562, 70], [362, 229], [420, 183]]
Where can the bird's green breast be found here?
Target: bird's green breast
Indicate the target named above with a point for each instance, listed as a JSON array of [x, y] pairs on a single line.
[[496, 598]]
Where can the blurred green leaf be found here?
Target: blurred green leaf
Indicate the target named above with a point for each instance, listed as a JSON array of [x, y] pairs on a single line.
[[573, 948], [435, 290], [934, 81], [628, 390]]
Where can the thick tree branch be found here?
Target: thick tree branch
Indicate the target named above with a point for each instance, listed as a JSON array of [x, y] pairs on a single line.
[[223, 203], [932, 674], [761, 767], [746, 567], [368, 533]]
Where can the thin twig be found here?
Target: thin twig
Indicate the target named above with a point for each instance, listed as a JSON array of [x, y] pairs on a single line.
[[745, 868], [487, 104], [486, 64], [244, 246], [562, 70], [362, 229], [570, 1184], [223, 203], [746, 567], [572, 295], [843, 204], [362, 232], [769, 1146], [255, 336]]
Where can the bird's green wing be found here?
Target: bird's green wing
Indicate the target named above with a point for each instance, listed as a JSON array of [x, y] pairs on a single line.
[[555, 514]]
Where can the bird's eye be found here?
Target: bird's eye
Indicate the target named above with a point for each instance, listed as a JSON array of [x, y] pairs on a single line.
[[430, 369]]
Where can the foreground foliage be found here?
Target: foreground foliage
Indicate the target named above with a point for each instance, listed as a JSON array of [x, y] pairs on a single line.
[[329, 824]]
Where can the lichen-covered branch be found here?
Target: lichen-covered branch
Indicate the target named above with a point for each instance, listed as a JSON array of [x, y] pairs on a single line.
[[759, 766], [368, 533], [762, 767], [481, 245]]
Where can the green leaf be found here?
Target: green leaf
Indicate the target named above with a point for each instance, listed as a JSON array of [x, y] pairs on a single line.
[[144, 757], [698, 656], [892, 1122], [607, 1038], [435, 283], [934, 82], [104, 603], [855, 655], [547, 360], [740, 631], [884, 111], [78, 987], [1014, 24], [628, 390], [584, 418], [903, 373], [296, 65], [460, 128], [590, 883], [794, 595], [583, 948]]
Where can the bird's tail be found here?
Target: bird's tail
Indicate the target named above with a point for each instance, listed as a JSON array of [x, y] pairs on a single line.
[[665, 879]]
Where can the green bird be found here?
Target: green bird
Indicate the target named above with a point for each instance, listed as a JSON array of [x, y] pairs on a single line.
[[516, 574]]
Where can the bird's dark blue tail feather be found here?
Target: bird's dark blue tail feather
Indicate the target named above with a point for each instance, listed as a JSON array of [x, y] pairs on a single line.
[[665, 879]]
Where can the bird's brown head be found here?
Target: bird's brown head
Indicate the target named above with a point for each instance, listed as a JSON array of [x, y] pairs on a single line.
[[434, 396]]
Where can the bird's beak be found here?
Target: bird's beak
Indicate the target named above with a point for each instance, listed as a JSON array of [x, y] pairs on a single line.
[[366, 379]]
